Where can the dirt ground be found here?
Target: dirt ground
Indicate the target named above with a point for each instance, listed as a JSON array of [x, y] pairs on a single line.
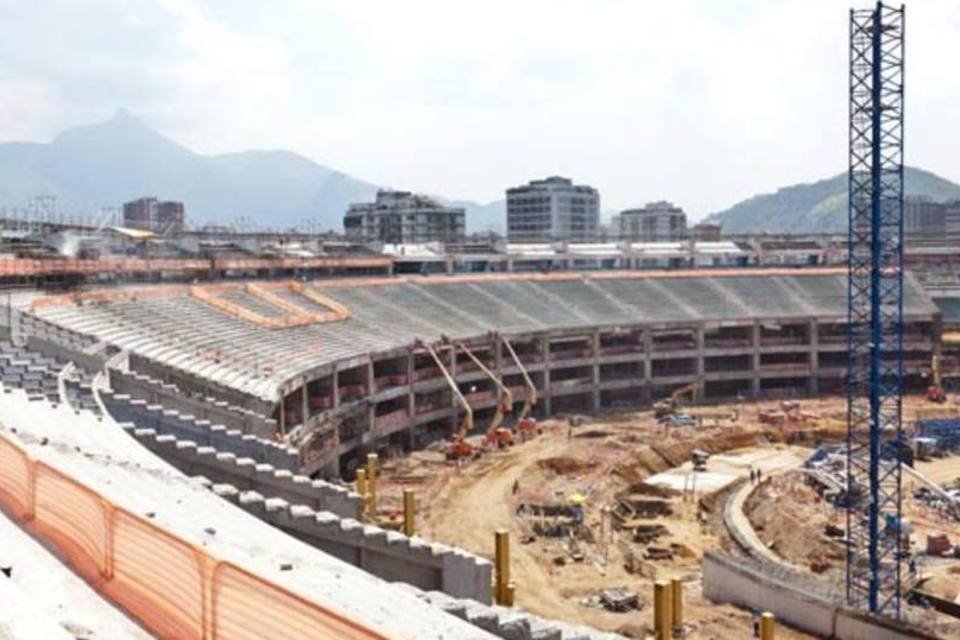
[[610, 459]]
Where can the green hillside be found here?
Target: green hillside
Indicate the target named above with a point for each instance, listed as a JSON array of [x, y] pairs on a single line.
[[818, 207]]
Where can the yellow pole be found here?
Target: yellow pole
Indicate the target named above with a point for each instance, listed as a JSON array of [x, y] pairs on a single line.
[[502, 566], [661, 610], [508, 595], [766, 625], [409, 513], [372, 483], [676, 589], [362, 484]]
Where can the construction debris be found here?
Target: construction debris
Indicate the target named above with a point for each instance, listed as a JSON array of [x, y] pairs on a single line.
[[619, 600]]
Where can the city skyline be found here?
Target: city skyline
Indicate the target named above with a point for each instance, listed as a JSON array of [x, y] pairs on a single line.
[[409, 97]]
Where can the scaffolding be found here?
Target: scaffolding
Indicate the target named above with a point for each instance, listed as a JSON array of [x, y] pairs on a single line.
[[875, 321]]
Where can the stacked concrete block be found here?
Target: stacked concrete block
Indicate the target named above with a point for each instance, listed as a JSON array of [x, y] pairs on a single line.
[[246, 474], [155, 391], [506, 623], [387, 554], [123, 408]]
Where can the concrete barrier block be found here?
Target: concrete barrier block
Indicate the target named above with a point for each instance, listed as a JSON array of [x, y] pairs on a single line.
[[186, 448], [453, 606], [253, 503], [514, 624], [201, 481], [327, 520], [542, 630], [352, 530], [227, 459], [227, 491], [483, 617]]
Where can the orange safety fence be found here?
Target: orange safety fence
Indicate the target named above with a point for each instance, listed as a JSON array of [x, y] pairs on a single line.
[[174, 588]]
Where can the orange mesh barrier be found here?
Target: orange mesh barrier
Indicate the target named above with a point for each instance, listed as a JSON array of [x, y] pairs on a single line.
[[174, 588], [73, 517], [15, 480], [249, 608], [162, 587]]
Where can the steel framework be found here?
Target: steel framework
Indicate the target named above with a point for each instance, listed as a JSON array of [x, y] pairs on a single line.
[[875, 327]]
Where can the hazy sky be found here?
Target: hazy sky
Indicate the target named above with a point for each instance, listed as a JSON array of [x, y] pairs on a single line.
[[700, 102]]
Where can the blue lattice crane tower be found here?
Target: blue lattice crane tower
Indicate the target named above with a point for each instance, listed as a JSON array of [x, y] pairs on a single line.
[[875, 321]]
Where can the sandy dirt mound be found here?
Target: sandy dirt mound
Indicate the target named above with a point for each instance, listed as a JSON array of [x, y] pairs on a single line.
[[565, 466]]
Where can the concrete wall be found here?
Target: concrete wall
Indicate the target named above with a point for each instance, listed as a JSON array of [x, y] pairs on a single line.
[[188, 381], [387, 554], [85, 361], [246, 474], [164, 420], [796, 599], [155, 391], [509, 624]]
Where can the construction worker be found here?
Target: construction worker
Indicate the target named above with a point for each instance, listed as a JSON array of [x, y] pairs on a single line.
[[516, 486], [752, 475], [758, 475]]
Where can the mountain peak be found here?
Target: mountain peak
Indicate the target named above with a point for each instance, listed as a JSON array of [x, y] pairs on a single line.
[[817, 207]]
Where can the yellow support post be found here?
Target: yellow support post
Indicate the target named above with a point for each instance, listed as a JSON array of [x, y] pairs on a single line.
[[372, 484], [409, 513], [362, 484], [508, 595], [662, 616], [676, 592], [502, 590], [767, 621]]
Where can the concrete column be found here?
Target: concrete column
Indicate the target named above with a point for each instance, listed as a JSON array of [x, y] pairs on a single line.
[[595, 349], [335, 385], [545, 356], [813, 386], [700, 335], [755, 339], [411, 401], [370, 377], [647, 339], [306, 400]]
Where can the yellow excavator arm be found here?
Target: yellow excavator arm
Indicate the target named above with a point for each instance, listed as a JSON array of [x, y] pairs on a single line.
[[531, 399], [467, 423], [506, 398]]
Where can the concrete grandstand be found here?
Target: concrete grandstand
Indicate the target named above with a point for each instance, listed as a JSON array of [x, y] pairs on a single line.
[[338, 363]]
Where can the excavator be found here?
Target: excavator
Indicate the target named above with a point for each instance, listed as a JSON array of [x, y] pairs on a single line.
[[526, 426], [459, 447], [935, 392], [496, 435], [665, 408]]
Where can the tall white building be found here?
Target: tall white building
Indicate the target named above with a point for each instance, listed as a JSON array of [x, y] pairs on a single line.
[[552, 209]]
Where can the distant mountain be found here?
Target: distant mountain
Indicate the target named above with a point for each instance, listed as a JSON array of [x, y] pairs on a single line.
[[819, 207], [109, 163], [484, 217]]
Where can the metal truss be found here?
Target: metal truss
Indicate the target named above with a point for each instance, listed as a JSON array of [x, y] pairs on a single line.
[[875, 326]]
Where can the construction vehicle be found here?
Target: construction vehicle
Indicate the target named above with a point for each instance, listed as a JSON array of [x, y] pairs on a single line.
[[459, 447], [665, 408], [935, 392], [496, 435], [526, 426]]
